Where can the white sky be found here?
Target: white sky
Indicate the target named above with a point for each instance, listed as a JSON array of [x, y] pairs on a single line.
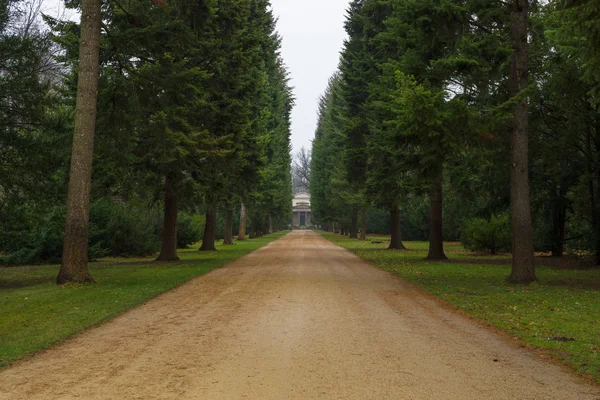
[[313, 35]]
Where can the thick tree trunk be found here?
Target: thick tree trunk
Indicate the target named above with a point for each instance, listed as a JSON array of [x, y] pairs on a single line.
[[243, 217], [436, 233], [168, 250], [228, 233], [363, 223], [74, 265], [342, 231], [395, 231], [354, 224], [210, 228], [523, 261]]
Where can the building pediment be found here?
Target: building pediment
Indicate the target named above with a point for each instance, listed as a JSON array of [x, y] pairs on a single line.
[[301, 200]]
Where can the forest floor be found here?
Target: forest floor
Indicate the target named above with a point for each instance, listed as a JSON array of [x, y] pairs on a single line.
[[299, 319]]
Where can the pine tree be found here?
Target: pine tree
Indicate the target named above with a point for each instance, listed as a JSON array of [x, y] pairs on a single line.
[[74, 265], [523, 265], [356, 73], [581, 19]]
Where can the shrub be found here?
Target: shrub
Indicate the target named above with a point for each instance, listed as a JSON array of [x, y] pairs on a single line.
[[116, 229], [123, 230], [493, 235], [189, 229], [43, 242], [15, 226]]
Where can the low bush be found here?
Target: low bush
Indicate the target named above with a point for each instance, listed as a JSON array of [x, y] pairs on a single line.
[[123, 230], [493, 235], [189, 229], [43, 240], [116, 229]]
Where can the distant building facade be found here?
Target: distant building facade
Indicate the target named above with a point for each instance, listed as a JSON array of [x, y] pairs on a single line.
[[301, 210]]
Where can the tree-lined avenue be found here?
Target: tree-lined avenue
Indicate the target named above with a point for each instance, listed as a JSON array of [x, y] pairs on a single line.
[[298, 319]]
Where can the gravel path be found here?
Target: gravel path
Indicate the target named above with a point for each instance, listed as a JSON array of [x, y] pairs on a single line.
[[299, 319]]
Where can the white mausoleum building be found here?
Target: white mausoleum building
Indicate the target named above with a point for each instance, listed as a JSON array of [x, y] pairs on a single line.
[[301, 210]]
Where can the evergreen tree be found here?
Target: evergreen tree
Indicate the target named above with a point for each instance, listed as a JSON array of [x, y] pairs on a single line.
[[356, 74], [581, 18], [74, 266]]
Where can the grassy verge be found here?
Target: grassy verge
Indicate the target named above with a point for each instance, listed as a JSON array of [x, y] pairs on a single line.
[[36, 313], [560, 314]]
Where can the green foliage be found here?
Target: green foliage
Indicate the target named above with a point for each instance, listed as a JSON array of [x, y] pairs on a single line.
[[193, 91], [41, 242], [123, 230], [387, 122], [415, 218], [580, 21], [493, 234], [422, 93], [378, 221], [117, 229], [30, 117], [189, 229]]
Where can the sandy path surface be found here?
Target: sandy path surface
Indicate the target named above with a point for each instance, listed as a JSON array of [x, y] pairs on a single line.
[[299, 319]]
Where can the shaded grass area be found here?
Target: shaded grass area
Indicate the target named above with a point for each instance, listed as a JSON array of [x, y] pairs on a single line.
[[560, 313], [35, 313]]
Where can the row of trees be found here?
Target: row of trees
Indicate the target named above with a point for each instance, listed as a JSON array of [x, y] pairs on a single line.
[[193, 112], [490, 105]]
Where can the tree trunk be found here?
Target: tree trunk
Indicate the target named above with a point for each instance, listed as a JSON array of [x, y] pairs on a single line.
[[363, 223], [266, 226], [74, 265], [243, 216], [523, 261], [354, 224], [252, 228], [228, 234], [342, 232], [210, 228], [436, 232], [395, 231], [270, 224], [168, 249]]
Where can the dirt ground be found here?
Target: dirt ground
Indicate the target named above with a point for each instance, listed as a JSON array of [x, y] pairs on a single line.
[[299, 319]]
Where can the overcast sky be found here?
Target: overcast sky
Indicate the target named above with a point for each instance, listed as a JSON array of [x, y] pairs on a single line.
[[313, 35]]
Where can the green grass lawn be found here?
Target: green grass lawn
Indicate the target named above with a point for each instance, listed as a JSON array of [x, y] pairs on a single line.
[[564, 304], [35, 313]]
